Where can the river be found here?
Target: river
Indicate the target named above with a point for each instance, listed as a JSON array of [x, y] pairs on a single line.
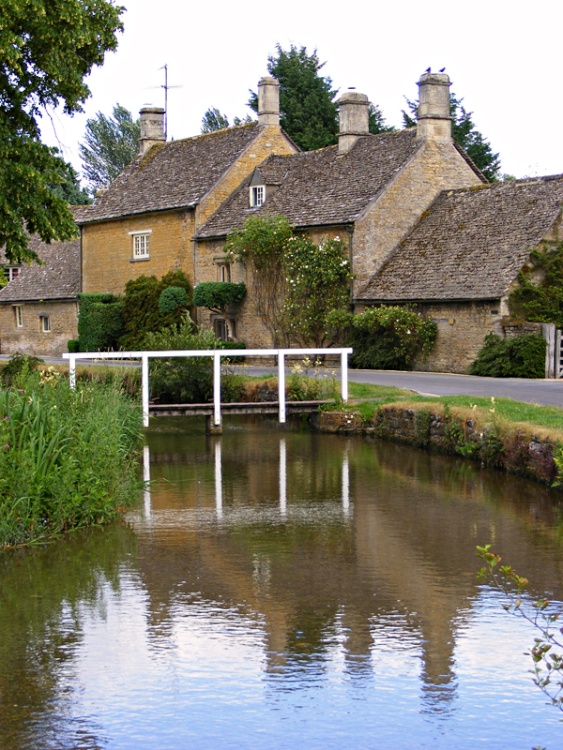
[[280, 589]]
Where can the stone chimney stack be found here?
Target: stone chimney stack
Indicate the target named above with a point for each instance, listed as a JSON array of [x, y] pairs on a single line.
[[152, 127], [353, 114], [268, 101], [434, 120]]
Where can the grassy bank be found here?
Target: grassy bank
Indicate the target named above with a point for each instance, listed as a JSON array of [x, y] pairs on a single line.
[[67, 458]]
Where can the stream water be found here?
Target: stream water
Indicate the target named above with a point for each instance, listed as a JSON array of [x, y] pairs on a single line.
[[280, 590]]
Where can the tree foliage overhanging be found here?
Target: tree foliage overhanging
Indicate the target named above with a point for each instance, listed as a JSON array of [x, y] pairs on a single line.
[[466, 135], [308, 111], [110, 144], [47, 48]]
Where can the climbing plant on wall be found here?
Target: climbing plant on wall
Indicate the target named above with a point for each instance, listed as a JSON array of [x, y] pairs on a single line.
[[539, 294]]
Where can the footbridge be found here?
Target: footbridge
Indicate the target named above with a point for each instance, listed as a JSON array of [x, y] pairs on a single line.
[[214, 411]]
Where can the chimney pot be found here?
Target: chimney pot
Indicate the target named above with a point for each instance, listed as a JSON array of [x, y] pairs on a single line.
[[434, 119], [152, 128], [353, 115], [268, 101]]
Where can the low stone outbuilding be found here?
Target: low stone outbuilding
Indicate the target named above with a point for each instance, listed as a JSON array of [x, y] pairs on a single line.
[[462, 259], [39, 305]]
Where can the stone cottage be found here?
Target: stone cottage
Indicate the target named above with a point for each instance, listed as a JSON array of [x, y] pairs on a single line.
[[461, 261], [369, 190], [39, 305], [145, 223]]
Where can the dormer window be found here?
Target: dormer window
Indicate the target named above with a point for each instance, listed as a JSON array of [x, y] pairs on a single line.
[[11, 272], [257, 195]]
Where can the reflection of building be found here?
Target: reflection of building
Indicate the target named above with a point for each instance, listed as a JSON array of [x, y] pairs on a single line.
[[379, 575]]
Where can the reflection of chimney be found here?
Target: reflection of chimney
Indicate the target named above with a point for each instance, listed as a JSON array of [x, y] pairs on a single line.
[[268, 101], [353, 115], [152, 127], [434, 119]]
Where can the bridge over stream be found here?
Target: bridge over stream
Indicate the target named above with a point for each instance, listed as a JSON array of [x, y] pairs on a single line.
[[214, 411]]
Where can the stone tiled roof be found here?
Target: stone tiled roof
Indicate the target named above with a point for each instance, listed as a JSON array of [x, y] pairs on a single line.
[[471, 243], [320, 188], [58, 278], [171, 175]]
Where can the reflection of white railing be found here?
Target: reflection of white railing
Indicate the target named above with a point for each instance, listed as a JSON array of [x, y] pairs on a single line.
[[218, 473], [216, 355]]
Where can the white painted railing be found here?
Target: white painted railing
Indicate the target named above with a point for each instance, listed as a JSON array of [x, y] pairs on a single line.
[[216, 355]]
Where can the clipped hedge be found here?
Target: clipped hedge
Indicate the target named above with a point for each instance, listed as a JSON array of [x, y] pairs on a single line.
[[100, 322], [518, 357]]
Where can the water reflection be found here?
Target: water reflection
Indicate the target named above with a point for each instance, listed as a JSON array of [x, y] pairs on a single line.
[[281, 589]]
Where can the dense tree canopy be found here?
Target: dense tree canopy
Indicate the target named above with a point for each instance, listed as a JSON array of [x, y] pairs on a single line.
[[110, 144], [466, 135], [47, 48], [308, 112]]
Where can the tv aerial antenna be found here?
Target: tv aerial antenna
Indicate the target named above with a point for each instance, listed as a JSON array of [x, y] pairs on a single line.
[[166, 87]]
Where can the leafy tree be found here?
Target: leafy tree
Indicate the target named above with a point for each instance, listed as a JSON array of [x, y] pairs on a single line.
[[308, 113], [110, 144], [219, 297], [213, 119], [71, 189], [466, 135], [47, 48], [377, 122]]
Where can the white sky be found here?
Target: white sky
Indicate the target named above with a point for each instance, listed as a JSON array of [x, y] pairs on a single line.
[[504, 58]]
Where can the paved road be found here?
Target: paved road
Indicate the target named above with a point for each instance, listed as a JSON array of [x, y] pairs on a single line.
[[545, 392]]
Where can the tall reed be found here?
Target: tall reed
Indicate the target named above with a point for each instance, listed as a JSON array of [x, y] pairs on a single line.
[[67, 458]]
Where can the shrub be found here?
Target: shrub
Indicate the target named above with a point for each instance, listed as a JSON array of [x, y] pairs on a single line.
[[173, 298], [186, 380], [73, 345], [19, 367], [100, 322], [387, 338], [141, 306], [518, 357]]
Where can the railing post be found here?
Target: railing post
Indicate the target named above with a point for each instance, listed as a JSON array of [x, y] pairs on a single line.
[[281, 385], [344, 376], [216, 389], [72, 371], [145, 388]]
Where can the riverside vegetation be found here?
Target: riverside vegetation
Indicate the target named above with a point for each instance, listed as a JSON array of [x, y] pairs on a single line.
[[68, 458]]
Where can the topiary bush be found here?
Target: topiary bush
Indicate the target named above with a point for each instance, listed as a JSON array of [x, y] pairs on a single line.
[[100, 322], [518, 357], [141, 306]]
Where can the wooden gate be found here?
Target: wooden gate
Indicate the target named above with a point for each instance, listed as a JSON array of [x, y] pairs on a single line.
[[559, 354]]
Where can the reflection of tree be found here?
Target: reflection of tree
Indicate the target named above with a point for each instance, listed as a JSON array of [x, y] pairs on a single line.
[[40, 624]]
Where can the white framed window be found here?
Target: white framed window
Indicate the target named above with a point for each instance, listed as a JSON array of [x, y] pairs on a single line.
[[18, 315], [45, 323], [141, 244], [257, 195], [11, 272]]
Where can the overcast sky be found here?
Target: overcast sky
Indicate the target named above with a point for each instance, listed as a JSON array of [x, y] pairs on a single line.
[[504, 59]]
